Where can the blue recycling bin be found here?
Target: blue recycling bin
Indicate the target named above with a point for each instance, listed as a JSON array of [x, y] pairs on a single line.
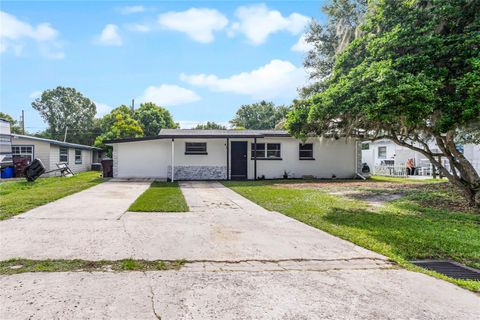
[[7, 173]]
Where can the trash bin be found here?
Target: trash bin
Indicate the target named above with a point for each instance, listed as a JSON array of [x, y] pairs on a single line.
[[107, 168], [7, 173]]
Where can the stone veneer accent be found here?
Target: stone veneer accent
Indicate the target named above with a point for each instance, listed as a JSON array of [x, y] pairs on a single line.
[[359, 157], [198, 172], [115, 162]]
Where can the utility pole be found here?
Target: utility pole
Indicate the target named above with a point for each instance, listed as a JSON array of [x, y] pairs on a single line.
[[65, 137], [133, 104], [23, 122]]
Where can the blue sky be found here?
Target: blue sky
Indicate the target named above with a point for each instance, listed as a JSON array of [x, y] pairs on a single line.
[[200, 60]]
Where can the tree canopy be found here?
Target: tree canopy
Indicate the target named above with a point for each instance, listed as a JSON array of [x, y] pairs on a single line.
[[64, 108], [257, 116], [412, 75], [209, 126], [152, 118]]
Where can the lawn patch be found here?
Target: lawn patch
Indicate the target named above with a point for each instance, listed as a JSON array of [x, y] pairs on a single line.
[[161, 197], [426, 223], [15, 266], [19, 196]]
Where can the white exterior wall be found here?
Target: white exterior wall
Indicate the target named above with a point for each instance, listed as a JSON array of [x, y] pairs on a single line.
[[142, 159], [152, 158], [472, 153]]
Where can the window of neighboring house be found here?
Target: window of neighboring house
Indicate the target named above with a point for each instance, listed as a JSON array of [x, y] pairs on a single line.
[[382, 152], [306, 151], [63, 154], [365, 146], [78, 156], [23, 152], [267, 150], [195, 148]]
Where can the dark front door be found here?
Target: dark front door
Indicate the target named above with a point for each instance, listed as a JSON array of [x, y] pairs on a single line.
[[239, 160]]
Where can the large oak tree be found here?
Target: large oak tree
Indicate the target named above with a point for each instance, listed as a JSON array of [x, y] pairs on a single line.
[[411, 75]]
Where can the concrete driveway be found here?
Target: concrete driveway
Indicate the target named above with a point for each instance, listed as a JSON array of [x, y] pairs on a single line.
[[243, 262]]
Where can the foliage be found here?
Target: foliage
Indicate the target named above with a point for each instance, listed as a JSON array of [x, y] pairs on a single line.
[[406, 229], [161, 197], [20, 196], [118, 124], [64, 108], [344, 18], [411, 76], [262, 115], [210, 125], [14, 127], [152, 118]]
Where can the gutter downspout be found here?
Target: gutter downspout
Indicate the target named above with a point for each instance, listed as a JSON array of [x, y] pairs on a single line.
[[228, 158], [254, 158], [173, 160]]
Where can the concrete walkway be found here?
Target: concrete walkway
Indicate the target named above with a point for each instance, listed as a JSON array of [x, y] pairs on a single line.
[[243, 262]]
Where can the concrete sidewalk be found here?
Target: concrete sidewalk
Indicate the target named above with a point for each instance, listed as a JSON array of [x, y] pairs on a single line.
[[243, 262]]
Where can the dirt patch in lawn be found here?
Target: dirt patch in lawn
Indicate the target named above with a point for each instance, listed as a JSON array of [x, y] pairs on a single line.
[[375, 200], [349, 184]]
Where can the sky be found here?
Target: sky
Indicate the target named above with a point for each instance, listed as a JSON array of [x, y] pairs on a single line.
[[200, 60]]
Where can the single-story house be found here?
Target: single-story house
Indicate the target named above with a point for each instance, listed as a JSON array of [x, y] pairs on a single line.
[[185, 154], [78, 157]]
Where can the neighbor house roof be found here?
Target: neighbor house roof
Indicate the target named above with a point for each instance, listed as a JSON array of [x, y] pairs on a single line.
[[55, 142], [206, 134]]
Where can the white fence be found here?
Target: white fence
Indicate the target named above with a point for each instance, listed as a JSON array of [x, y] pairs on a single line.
[[400, 171]]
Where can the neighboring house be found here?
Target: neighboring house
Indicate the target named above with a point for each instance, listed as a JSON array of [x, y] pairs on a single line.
[[5, 144], [78, 157], [211, 154], [387, 153]]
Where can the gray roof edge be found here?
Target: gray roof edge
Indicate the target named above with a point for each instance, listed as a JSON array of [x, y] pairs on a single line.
[[56, 142]]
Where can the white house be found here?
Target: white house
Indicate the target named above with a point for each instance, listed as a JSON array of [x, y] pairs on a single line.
[[388, 153], [78, 157], [233, 154]]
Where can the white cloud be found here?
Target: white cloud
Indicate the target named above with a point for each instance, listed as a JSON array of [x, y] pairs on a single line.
[[198, 24], [138, 27], [13, 32], [35, 94], [276, 79], [302, 45], [257, 22], [110, 36], [131, 9], [168, 95], [102, 109]]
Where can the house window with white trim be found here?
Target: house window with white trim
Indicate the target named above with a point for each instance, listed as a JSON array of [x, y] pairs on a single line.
[[23, 152], [78, 156], [267, 150], [63, 154], [305, 151], [382, 152]]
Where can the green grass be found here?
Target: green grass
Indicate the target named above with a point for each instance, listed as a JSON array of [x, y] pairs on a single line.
[[15, 266], [161, 197], [420, 225], [19, 196]]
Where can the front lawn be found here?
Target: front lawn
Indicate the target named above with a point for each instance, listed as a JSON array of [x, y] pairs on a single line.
[[19, 196], [425, 221], [161, 197]]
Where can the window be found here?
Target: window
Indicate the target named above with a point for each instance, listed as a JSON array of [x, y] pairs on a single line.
[[23, 152], [78, 156], [306, 151], [273, 151], [63, 154], [195, 148], [260, 150], [365, 146], [382, 152]]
